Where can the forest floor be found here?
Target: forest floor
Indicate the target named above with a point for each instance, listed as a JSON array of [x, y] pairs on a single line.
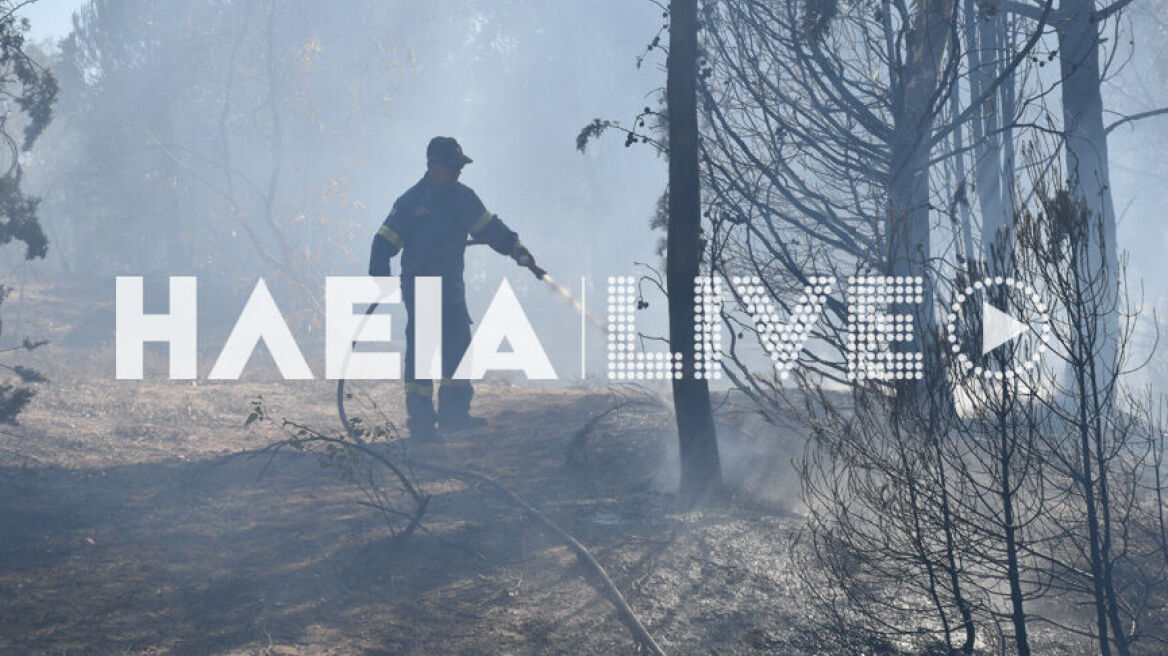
[[136, 522]]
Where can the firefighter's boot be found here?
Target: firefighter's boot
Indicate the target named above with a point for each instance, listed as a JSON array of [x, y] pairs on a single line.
[[454, 406], [420, 411]]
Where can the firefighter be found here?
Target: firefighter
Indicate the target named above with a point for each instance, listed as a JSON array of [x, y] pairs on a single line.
[[430, 224]]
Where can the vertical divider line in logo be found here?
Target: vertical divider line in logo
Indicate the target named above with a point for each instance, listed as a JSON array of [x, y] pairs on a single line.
[[583, 327]]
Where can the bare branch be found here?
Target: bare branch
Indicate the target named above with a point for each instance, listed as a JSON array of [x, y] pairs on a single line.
[[1136, 117]]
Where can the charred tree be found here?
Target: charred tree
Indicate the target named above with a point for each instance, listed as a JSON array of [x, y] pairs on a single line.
[[989, 47], [700, 465], [913, 114], [1078, 24]]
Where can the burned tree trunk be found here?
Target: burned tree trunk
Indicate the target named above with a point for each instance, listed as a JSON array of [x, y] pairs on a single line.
[[915, 111], [1086, 152], [700, 466], [1088, 170], [989, 51]]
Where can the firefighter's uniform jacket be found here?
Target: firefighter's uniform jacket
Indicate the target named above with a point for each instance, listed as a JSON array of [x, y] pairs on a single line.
[[430, 226]]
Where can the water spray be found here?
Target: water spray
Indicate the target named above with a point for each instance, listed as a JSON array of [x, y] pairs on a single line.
[[563, 292]]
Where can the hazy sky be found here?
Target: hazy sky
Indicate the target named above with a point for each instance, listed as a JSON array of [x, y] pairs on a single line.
[[51, 19]]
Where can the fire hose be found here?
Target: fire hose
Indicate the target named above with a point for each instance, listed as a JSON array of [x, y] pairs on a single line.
[[607, 586]]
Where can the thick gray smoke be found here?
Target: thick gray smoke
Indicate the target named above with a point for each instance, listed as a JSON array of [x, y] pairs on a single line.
[[250, 139]]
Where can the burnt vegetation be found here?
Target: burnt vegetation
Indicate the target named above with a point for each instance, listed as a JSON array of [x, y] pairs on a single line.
[[1015, 508]]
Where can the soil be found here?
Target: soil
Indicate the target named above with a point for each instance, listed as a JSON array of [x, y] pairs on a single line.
[[138, 519]]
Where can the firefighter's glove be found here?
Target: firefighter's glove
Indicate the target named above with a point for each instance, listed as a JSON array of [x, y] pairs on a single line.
[[522, 256]]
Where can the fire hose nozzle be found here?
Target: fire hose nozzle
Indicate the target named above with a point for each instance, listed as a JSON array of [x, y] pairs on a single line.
[[528, 262]]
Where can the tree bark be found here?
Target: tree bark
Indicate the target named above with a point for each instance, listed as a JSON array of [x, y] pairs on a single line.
[[1088, 170], [1006, 446], [1087, 481], [986, 43], [700, 466], [1087, 160], [908, 194]]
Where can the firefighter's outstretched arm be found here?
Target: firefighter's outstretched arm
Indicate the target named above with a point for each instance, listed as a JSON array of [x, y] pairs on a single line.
[[490, 230]]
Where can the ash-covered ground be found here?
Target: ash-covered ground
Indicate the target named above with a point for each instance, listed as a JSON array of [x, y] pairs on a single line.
[[138, 519]]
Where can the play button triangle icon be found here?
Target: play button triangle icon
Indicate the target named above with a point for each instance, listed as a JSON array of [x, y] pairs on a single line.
[[997, 328]]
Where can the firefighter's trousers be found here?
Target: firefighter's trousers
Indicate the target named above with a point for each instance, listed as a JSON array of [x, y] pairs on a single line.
[[453, 395]]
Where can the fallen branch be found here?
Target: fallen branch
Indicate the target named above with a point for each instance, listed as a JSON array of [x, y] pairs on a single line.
[[301, 436], [611, 592], [585, 557]]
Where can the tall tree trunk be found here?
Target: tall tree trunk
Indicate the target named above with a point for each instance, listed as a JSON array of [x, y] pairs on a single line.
[[1007, 102], [960, 207], [989, 53], [1087, 160], [1006, 446], [908, 194], [701, 470], [1088, 170], [1081, 354], [985, 36], [951, 555]]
